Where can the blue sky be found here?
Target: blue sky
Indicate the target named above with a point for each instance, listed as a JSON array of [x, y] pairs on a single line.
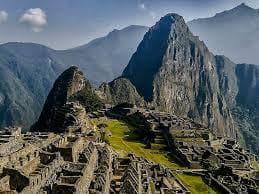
[[63, 24]]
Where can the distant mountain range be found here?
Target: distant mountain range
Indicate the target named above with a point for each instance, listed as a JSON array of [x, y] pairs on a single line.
[[233, 33], [28, 70]]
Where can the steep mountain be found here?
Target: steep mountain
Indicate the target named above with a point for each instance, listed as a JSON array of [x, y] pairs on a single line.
[[14, 112], [233, 33], [176, 72], [120, 91], [27, 73], [246, 111], [67, 88], [29, 70], [239, 84]]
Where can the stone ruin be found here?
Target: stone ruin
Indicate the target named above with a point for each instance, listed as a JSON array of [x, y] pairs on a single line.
[[136, 175], [77, 162], [196, 147], [48, 163]]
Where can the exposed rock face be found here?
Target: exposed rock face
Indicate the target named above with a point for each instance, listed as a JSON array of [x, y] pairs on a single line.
[[239, 84], [58, 105], [119, 91], [177, 73], [248, 84], [246, 111]]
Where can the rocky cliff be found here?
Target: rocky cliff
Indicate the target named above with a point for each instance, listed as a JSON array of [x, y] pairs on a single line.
[[177, 73], [246, 111], [239, 84], [70, 87]]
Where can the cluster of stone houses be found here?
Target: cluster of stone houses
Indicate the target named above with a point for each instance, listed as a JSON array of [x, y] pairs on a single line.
[[48, 163], [76, 161], [196, 147]]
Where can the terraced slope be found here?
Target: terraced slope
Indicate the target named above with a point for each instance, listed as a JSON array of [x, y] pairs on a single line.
[[124, 139]]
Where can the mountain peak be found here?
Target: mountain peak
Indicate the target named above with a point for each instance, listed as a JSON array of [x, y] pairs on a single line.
[[73, 68], [172, 16], [171, 67], [70, 87], [243, 5], [154, 45], [240, 10], [171, 19]]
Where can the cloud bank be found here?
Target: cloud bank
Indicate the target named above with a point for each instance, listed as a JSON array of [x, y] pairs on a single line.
[[36, 18], [3, 16]]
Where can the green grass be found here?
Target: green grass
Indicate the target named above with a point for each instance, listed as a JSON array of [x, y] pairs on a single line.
[[255, 165], [152, 186], [124, 141], [195, 184]]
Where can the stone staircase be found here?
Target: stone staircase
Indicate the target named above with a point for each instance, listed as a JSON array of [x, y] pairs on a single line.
[[159, 140], [117, 178]]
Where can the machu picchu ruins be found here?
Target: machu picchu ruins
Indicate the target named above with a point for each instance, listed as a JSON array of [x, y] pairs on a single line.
[[68, 152], [80, 162], [50, 163]]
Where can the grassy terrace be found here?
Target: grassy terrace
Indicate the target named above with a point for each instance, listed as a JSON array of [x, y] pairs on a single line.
[[195, 184], [122, 138]]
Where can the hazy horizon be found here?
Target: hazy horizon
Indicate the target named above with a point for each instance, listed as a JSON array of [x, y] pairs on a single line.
[[73, 23]]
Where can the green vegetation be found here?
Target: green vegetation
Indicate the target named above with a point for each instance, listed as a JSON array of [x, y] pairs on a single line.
[[195, 184], [255, 165], [152, 186], [124, 139], [88, 98]]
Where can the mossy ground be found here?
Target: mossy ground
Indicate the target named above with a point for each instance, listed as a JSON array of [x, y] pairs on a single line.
[[122, 138], [195, 184]]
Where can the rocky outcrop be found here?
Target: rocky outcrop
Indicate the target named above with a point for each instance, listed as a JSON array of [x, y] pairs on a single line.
[[246, 111], [176, 72], [120, 91], [70, 87], [248, 85], [239, 84]]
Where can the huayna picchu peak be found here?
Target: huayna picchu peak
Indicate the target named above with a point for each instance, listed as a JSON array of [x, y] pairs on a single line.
[[176, 72]]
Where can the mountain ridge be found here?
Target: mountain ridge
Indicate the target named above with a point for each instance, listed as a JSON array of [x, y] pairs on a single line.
[[224, 33]]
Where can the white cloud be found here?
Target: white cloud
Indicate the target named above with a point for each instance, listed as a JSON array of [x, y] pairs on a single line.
[[3, 16], [36, 18], [143, 7], [152, 14]]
